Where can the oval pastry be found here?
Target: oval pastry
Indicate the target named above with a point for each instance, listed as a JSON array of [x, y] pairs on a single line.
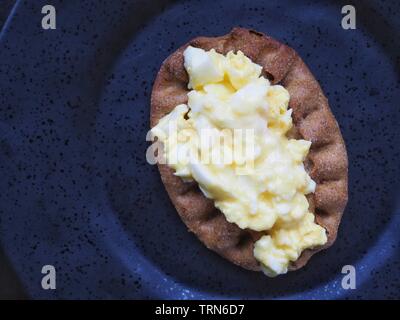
[[326, 162]]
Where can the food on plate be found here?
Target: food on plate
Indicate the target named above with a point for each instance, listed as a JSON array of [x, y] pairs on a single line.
[[255, 163]]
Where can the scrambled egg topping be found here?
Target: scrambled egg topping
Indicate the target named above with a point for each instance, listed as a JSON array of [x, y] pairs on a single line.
[[263, 190]]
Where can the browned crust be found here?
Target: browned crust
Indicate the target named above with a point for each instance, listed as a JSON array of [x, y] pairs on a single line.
[[313, 120]]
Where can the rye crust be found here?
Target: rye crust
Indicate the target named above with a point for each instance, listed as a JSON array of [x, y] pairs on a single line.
[[313, 120]]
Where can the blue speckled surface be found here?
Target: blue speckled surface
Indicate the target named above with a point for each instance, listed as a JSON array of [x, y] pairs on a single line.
[[77, 193]]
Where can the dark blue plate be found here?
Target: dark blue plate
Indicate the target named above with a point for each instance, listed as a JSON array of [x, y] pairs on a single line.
[[77, 193]]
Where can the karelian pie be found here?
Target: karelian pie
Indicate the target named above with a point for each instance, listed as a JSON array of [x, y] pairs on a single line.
[[313, 120]]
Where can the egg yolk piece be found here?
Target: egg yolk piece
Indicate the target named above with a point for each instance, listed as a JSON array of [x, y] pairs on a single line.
[[262, 189]]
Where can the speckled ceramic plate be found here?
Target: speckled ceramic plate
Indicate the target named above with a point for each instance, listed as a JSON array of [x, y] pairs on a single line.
[[77, 193]]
